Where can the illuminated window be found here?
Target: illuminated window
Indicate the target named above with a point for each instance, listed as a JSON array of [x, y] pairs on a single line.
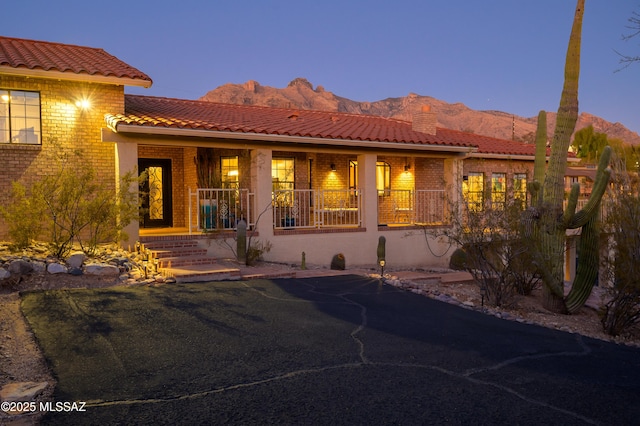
[[383, 176], [20, 117], [229, 170], [473, 191], [498, 190], [283, 180], [520, 188]]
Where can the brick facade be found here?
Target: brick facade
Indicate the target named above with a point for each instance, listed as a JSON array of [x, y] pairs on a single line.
[[65, 124]]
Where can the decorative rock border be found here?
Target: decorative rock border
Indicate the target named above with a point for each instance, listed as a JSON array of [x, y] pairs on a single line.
[[109, 263]]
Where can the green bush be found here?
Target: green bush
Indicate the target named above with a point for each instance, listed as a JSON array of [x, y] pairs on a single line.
[[70, 205], [23, 216]]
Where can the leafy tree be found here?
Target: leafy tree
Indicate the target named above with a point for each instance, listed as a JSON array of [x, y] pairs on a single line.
[[589, 144]]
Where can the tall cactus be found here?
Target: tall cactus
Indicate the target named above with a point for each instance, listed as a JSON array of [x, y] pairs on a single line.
[[546, 219]]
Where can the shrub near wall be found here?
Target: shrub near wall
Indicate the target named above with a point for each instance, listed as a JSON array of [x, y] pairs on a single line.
[[64, 122]]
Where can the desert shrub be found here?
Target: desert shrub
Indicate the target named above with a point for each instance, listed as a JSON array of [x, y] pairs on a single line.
[[70, 205], [23, 216], [491, 247], [458, 260], [622, 265]]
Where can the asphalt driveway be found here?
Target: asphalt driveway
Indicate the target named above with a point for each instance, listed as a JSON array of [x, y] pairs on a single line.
[[333, 350]]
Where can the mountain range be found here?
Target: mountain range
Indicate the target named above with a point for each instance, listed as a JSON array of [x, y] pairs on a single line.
[[300, 94]]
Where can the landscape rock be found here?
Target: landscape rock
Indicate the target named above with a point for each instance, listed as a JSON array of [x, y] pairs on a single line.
[[4, 274], [76, 259], [101, 269], [56, 268], [20, 267], [24, 391]]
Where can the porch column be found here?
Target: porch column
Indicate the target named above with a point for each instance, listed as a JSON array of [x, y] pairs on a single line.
[[127, 161], [367, 186], [262, 187], [453, 183]]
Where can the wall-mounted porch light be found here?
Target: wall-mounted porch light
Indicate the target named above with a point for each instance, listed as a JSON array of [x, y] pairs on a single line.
[[407, 167], [333, 167], [83, 104]]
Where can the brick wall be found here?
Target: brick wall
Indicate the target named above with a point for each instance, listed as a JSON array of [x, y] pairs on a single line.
[[64, 122], [488, 167]]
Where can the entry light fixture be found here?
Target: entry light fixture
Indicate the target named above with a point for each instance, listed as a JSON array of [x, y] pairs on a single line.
[[333, 167], [83, 103], [407, 167]]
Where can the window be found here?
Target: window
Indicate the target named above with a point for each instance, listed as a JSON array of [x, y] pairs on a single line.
[[473, 191], [498, 190], [20, 117], [229, 171], [520, 188], [283, 179], [383, 176]]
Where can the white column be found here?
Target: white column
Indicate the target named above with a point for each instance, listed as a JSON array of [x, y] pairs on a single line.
[[367, 186], [262, 187], [127, 161]]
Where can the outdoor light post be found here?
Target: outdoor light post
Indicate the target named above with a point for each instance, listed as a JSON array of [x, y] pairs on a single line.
[[382, 262]]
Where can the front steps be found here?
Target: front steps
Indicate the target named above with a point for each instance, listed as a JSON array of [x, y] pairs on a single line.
[[183, 260]]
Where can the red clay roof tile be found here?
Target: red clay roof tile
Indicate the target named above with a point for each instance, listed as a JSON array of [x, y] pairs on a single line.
[[64, 58], [202, 115]]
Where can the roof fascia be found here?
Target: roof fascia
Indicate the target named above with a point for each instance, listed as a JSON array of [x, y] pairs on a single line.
[[513, 157], [167, 131], [57, 75]]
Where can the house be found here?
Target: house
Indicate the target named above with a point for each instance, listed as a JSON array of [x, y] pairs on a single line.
[[305, 181]]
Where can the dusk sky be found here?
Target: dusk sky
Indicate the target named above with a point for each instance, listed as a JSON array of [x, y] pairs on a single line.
[[505, 55]]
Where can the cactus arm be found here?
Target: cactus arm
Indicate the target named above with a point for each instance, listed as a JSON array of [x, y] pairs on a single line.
[[540, 159], [572, 203], [588, 266], [600, 186]]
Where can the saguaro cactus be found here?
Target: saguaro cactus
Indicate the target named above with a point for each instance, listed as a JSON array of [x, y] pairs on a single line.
[[546, 221]]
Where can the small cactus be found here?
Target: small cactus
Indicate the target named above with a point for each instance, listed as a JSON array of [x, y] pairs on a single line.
[[338, 262]]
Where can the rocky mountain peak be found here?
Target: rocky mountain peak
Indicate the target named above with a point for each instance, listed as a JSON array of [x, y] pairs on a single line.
[[299, 94]]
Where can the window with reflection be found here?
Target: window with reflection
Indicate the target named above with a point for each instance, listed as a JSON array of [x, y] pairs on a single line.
[[20, 117]]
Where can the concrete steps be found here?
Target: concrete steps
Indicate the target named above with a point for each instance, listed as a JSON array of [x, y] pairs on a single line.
[[186, 262]]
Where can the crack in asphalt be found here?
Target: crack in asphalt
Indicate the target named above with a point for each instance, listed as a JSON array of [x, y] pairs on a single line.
[[364, 361]]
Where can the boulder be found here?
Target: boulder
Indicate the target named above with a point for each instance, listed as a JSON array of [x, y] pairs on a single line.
[[24, 391], [20, 267], [101, 269], [56, 268], [76, 259], [4, 274]]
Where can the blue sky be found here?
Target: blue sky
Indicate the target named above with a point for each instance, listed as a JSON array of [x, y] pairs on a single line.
[[505, 55]]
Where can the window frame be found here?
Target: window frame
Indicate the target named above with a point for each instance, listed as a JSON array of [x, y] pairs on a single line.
[[225, 169], [383, 176], [17, 125], [498, 190], [473, 197]]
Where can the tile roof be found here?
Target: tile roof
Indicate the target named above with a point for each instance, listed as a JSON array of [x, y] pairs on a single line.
[[155, 112], [31, 55]]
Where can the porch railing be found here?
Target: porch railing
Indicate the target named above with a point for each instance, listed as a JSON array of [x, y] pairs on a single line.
[[220, 209], [409, 207], [308, 208]]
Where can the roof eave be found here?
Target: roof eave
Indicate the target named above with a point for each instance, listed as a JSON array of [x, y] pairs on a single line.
[[71, 76], [520, 157], [268, 137]]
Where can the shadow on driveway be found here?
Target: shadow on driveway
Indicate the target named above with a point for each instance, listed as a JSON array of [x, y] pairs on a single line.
[[333, 350]]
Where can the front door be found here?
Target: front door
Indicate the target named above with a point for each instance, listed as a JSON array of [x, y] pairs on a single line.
[[155, 193]]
